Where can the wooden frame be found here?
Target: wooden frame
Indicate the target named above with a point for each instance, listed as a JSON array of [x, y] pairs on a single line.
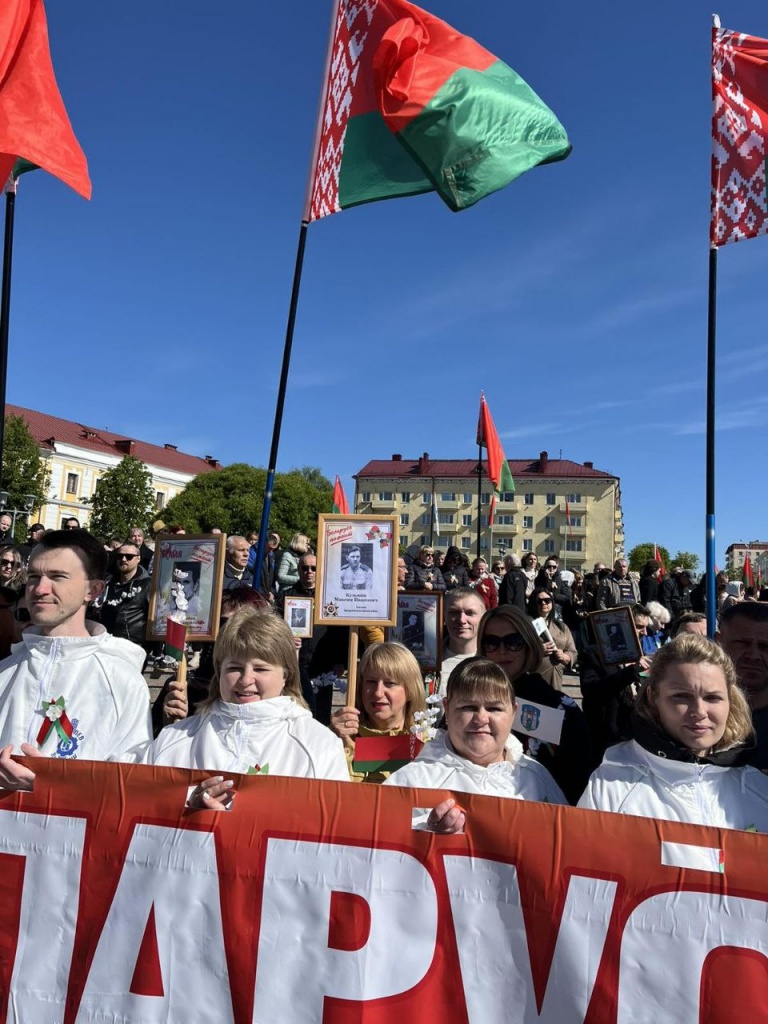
[[356, 590], [424, 636], [298, 612], [187, 580], [616, 635]]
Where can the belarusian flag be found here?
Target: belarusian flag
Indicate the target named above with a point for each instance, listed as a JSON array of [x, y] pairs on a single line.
[[410, 105], [175, 639], [739, 130], [657, 558], [384, 753], [747, 576], [498, 467], [33, 122], [340, 503]]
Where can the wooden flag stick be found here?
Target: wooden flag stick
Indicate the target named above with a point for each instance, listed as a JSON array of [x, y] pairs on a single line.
[[352, 667]]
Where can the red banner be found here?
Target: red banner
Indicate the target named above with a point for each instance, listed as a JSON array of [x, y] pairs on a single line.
[[317, 902]]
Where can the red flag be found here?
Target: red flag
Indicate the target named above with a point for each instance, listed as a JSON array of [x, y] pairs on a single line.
[[340, 503], [175, 639], [498, 467], [657, 558], [33, 121], [739, 130], [747, 576]]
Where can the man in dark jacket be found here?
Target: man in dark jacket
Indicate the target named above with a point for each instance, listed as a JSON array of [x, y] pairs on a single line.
[[236, 572], [512, 589], [675, 592], [125, 605]]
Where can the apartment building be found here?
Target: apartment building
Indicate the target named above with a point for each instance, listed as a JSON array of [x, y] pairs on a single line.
[[559, 507], [78, 455], [735, 554]]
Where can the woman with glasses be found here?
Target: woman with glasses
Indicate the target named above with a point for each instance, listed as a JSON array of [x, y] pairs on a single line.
[[12, 573], [559, 647], [424, 574], [507, 637], [476, 753]]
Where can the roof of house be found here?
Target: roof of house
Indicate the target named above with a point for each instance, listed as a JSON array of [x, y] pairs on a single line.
[[543, 466], [47, 430]]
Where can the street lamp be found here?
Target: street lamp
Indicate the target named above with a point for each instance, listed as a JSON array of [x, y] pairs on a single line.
[[502, 547], [29, 504]]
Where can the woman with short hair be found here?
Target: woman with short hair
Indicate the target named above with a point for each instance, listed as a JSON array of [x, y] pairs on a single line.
[[424, 574], [288, 569]]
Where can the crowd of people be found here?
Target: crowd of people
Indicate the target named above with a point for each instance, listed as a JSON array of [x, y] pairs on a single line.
[[678, 730]]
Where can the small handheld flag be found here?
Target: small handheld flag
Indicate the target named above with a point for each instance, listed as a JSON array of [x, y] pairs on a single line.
[[175, 639]]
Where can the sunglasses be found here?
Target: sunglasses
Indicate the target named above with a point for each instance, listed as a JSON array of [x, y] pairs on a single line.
[[8, 561], [511, 642], [308, 568], [543, 600], [121, 557]]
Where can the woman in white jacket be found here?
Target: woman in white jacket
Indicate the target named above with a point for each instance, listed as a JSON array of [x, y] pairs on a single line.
[[254, 719], [476, 753], [692, 740]]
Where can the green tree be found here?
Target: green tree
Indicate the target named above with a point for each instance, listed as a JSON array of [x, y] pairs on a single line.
[[25, 472], [687, 559], [642, 553], [231, 499], [124, 498]]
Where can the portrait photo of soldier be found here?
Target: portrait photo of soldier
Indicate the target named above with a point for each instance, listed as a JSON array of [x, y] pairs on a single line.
[[356, 572]]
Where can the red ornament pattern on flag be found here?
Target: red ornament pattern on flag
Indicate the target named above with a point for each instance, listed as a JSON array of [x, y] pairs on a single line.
[[352, 23], [739, 127]]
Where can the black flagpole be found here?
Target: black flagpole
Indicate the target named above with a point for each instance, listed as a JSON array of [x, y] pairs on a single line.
[[261, 546], [710, 510], [5, 304]]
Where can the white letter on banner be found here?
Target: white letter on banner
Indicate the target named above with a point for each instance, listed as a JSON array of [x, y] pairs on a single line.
[[296, 968], [493, 949], [176, 870], [53, 850], [665, 943]]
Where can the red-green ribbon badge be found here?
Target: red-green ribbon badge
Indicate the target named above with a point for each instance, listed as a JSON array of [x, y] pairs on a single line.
[[259, 769], [55, 720]]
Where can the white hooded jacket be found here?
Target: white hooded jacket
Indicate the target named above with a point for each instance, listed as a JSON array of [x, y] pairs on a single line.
[[277, 735], [631, 780], [518, 777], [106, 698]]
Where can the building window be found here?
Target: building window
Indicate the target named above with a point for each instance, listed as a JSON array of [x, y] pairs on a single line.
[[573, 499], [466, 543], [72, 481], [386, 496], [527, 545], [485, 499], [484, 521], [483, 542], [549, 522], [468, 498], [426, 498], [575, 520], [423, 540], [159, 500], [404, 519], [551, 499], [527, 522], [445, 518], [426, 519], [573, 545], [505, 520], [528, 499], [549, 547], [507, 496], [448, 496], [365, 497], [466, 520]]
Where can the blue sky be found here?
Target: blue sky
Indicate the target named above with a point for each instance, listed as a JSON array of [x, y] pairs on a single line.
[[576, 298]]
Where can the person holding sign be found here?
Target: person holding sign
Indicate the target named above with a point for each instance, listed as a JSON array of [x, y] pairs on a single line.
[[556, 638], [254, 720], [389, 692], [693, 737], [506, 636], [477, 752]]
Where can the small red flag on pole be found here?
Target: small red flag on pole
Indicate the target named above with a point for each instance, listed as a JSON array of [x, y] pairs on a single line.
[[340, 503]]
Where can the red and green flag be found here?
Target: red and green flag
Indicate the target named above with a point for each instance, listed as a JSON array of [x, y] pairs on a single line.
[[34, 128], [410, 105], [498, 467], [384, 753], [657, 558], [340, 503], [175, 639], [747, 576], [739, 136]]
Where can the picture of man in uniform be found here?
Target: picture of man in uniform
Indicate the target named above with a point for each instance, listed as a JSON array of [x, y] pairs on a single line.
[[355, 574], [298, 618], [616, 640], [413, 631]]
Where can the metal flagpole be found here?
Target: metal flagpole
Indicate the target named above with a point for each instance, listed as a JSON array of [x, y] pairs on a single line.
[[710, 457], [5, 303], [479, 495]]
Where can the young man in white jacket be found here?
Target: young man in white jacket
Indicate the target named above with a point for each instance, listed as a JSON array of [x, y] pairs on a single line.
[[69, 689]]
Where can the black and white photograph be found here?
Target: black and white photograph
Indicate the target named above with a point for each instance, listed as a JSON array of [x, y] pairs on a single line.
[[356, 570], [418, 627], [186, 586], [298, 613], [616, 636]]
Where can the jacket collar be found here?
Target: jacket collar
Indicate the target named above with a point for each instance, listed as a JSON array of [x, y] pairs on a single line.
[[658, 743]]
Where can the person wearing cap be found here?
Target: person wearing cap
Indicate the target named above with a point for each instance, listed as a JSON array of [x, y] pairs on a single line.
[[675, 592], [34, 535]]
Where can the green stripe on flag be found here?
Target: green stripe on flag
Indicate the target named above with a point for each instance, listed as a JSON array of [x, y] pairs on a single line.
[[379, 766], [375, 164]]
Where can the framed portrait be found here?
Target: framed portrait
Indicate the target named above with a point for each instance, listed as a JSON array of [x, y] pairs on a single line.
[[298, 612], [419, 627], [356, 570], [614, 630], [186, 585]]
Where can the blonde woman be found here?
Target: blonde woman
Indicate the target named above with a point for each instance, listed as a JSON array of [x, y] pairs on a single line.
[[288, 569], [692, 739], [390, 689]]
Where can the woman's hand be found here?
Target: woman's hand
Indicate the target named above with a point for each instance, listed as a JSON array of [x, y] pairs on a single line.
[[345, 722], [447, 818], [214, 794], [175, 705], [14, 775]]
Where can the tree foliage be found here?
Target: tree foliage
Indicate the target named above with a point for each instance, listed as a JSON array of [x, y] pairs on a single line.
[[124, 498], [642, 553], [686, 559], [231, 499], [24, 471]]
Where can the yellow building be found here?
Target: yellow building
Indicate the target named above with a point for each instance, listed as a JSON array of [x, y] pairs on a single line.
[[78, 455], [437, 503]]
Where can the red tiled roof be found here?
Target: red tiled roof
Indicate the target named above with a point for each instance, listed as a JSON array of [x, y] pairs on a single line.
[[48, 429], [453, 468]]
